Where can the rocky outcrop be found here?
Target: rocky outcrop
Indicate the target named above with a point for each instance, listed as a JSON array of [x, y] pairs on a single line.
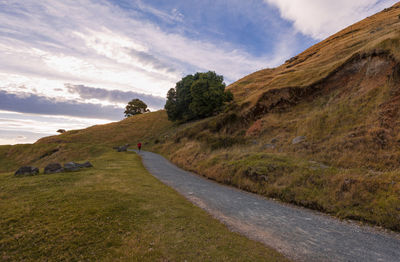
[[26, 171], [53, 168]]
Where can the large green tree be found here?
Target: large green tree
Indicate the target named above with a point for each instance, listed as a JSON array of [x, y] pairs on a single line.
[[197, 96], [135, 107]]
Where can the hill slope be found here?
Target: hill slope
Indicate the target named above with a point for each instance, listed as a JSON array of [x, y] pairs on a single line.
[[78, 145], [321, 130]]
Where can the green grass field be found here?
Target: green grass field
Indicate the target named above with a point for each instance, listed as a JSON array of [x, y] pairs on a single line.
[[115, 211]]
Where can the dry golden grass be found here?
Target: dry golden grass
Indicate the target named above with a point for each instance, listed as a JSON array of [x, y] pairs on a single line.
[[320, 60]]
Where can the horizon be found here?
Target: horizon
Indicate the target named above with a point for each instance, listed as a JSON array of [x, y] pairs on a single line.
[[72, 71]]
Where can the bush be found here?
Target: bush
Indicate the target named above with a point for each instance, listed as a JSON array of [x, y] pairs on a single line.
[[197, 96]]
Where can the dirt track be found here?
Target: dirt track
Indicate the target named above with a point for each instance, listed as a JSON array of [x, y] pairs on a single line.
[[300, 234]]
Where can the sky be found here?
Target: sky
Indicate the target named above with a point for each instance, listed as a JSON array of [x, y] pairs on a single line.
[[70, 64]]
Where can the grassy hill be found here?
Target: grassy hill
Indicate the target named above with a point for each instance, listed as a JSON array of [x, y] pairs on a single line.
[[115, 211], [321, 130], [77, 145], [341, 100]]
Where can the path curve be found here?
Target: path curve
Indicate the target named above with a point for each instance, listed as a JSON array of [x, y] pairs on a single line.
[[300, 234]]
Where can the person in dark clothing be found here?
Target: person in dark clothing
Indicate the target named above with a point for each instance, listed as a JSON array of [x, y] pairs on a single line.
[[139, 146]]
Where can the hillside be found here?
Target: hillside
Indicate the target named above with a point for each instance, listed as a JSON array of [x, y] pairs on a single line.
[[80, 144], [321, 130]]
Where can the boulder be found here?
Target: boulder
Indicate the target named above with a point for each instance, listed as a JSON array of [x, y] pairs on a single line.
[[26, 171], [53, 168], [72, 166], [274, 140], [268, 146], [298, 139], [87, 164], [122, 148]]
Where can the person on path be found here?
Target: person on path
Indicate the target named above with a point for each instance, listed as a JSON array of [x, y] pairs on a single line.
[[139, 146]]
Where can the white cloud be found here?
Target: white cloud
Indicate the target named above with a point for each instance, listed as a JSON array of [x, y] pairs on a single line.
[[16, 128], [98, 44], [45, 44], [322, 18]]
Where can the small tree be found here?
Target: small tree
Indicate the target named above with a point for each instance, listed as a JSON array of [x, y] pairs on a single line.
[[197, 96], [135, 107]]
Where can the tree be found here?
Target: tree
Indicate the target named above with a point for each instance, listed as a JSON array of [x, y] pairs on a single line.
[[135, 107], [197, 96]]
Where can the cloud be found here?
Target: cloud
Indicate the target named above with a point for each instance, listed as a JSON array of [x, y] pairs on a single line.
[[103, 45], [172, 17], [15, 126], [116, 96], [148, 59], [322, 18], [29, 103]]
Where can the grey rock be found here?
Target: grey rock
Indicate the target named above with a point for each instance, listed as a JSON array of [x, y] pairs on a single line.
[[87, 164], [268, 146], [53, 168], [298, 139], [122, 148], [26, 171], [72, 166], [274, 140]]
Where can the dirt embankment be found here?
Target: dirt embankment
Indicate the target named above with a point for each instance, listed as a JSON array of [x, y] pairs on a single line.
[[359, 74]]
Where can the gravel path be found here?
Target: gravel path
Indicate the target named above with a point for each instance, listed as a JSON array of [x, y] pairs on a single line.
[[300, 234]]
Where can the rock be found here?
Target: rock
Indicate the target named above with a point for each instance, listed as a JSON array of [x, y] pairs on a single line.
[[53, 168], [72, 166], [268, 146], [122, 148], [87, 164], [61, 131], [26, 171], [274, 141], [298, 139]]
